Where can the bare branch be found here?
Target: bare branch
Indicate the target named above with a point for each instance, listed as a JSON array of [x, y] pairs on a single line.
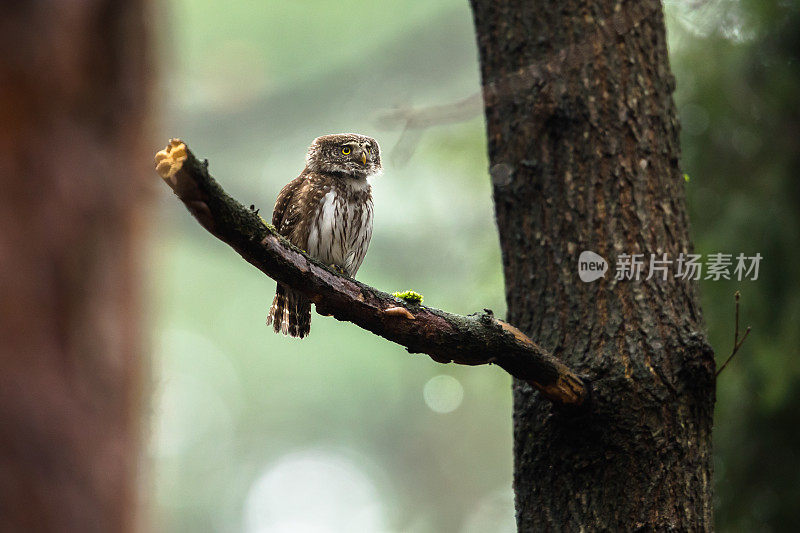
[[545, 75], [426, 117], [476, 339], [736, 342]]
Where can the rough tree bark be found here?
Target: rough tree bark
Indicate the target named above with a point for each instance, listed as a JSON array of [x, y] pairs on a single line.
[[72, 102], [583, 143]]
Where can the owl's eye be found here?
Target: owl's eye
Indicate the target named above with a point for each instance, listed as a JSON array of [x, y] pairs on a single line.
[[346, 150]]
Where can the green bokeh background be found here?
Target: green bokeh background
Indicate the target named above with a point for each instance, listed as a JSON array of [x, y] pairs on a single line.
[[344, 431]]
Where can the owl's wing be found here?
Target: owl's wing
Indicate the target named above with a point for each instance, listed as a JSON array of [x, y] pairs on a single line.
[[290, 214], [283, 214], [296, 205], [290, 313]]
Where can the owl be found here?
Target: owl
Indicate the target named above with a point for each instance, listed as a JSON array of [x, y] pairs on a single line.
[[327, 211]]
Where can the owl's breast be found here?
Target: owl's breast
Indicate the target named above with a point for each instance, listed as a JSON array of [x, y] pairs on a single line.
[[341, 229]]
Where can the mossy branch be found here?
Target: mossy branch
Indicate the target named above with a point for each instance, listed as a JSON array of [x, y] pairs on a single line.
[[476, 339]]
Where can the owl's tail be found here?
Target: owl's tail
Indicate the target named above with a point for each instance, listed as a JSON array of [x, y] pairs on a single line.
[[290, 313]]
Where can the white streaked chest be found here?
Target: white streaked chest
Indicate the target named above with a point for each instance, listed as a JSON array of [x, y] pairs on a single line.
[[341, 229]]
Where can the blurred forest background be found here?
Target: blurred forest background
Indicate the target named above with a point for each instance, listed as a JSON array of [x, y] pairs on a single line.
[[343, 431]]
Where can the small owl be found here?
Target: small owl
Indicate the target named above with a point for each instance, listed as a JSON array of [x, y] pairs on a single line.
[[327, 211]]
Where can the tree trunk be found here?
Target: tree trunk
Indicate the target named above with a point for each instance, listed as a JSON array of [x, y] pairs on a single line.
[[583, 143], [72, 102]]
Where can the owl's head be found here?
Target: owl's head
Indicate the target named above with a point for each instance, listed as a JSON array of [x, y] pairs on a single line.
[[350, 154]]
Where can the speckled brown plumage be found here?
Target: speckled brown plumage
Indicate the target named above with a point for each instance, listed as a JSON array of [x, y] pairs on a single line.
[[327, 211]]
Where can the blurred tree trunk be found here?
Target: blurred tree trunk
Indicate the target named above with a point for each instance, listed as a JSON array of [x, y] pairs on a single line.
[[72, 102], [583, 143]]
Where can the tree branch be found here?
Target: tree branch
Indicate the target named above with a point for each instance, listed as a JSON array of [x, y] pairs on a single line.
[[736, 342], [513, 84], [476, 339]]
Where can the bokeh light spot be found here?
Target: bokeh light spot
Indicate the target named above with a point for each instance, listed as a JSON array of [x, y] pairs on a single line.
[[313, 491], [443, 393]]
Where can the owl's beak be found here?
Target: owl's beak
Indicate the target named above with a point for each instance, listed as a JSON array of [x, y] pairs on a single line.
[[363, 158]]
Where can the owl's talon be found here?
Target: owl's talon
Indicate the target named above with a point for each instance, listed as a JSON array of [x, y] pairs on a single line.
[[339, 269]]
